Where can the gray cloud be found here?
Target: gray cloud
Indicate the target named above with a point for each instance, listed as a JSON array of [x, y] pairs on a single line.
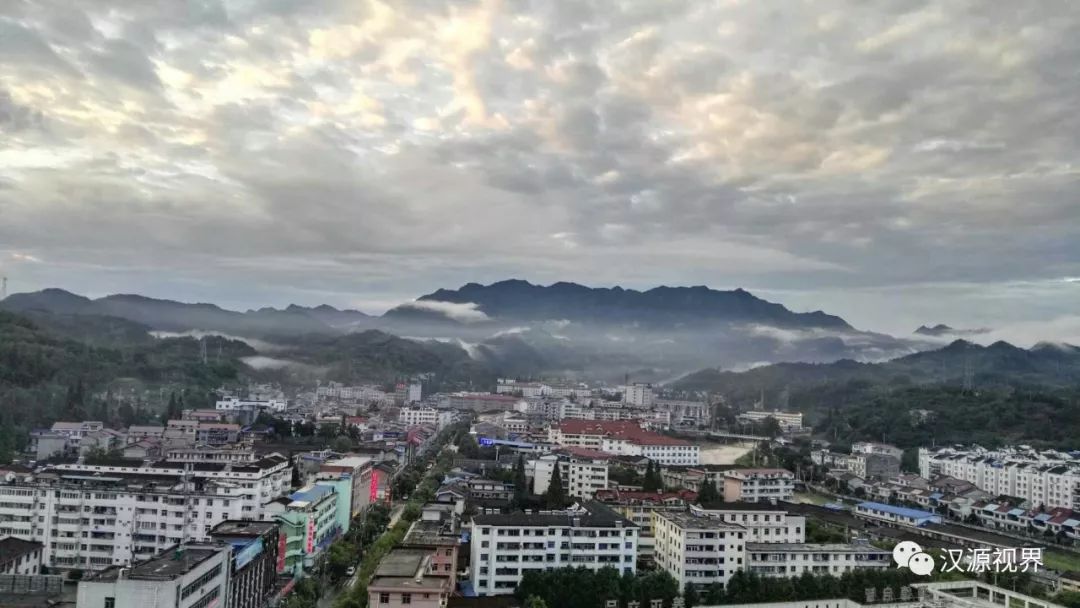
[[364, 152]]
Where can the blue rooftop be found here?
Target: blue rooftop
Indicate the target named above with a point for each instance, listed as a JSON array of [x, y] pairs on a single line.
[[312, 494], [901, 511]]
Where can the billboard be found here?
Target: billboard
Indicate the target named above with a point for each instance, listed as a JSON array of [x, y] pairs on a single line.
[[248, 553], [311, 535], [373, 489]]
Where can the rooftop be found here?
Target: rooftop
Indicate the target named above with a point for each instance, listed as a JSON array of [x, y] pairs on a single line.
[[595, 515], [405, 568], [243, 527], [349, 461], [14, 548], [901, 511], [696, 522], [170, 564], [402, 562], [814, 547], [629, 430]]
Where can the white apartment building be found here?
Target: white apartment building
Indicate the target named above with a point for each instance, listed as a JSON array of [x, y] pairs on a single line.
[[412, 416], [638, 394], [697, 550], [762, 522], [789, 421], [624, 438], [682, 412], [414, 393], [505, 386], [582, 475], [789, 560], [706, 550], [362, 394], [95, 516], [753, 485], [1048, 478], [192, 575], [506, 545], [230, 403], [871, 447]]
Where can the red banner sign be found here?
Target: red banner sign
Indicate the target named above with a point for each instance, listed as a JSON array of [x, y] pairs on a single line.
[[282, 548]]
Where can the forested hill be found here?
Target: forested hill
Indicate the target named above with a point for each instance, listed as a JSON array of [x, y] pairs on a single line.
[[46, 375], [958, 394], [961, 362]]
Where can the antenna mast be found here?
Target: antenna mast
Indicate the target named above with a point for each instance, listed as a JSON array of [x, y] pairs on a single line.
[[3, 288]]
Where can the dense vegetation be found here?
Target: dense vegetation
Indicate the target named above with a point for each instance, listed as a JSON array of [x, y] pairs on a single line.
[[46, 376], [959, 394], [581, 588]]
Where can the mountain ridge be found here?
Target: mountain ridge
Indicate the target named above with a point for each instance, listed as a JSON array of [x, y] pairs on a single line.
[[518, 299]]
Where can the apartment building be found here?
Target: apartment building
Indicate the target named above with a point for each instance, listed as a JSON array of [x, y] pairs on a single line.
[[97, 516], [789, 560], [763, 522], [406, 577], [582, 471], [893, 515], [1047, 478], [231, 403], [253, 567], [506, 386], [478, 402], [412, 416], [309, 521], [624, 438], [18, 556], [752, 485], [638, 394], [685, 413], [702, 550], [638, 507], [358, 470], [506, 545], [212, 454], [217, 433], [191, 575], [697, 550], [790, 422]]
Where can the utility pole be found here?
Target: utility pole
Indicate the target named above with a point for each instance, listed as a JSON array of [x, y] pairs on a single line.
[[3, 288]]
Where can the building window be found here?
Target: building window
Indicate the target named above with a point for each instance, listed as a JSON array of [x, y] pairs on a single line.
[[384, 598], [110, 602], [406, 598]]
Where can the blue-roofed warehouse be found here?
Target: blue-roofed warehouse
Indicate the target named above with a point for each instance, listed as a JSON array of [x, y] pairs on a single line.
[[896, 515]]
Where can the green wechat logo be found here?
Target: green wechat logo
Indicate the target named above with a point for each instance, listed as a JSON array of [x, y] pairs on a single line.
[[909, 554]]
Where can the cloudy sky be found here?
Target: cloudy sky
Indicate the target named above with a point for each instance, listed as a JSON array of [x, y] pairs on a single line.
[[894, 162]]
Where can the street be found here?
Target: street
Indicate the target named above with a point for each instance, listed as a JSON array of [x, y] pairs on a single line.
[[332, 593]]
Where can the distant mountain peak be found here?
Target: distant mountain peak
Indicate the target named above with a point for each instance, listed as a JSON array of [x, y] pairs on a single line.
[[941, 330], [663, 306]]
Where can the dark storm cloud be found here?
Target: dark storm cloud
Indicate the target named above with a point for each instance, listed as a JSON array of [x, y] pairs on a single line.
[[369, 151]]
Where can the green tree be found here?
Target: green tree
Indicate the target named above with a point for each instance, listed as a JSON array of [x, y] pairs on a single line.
[[690, 596], [342, 444], [708, 494], [535, 601], [340, 558], [556, 495], [1070, 599], [521, 482], [653, 482]]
